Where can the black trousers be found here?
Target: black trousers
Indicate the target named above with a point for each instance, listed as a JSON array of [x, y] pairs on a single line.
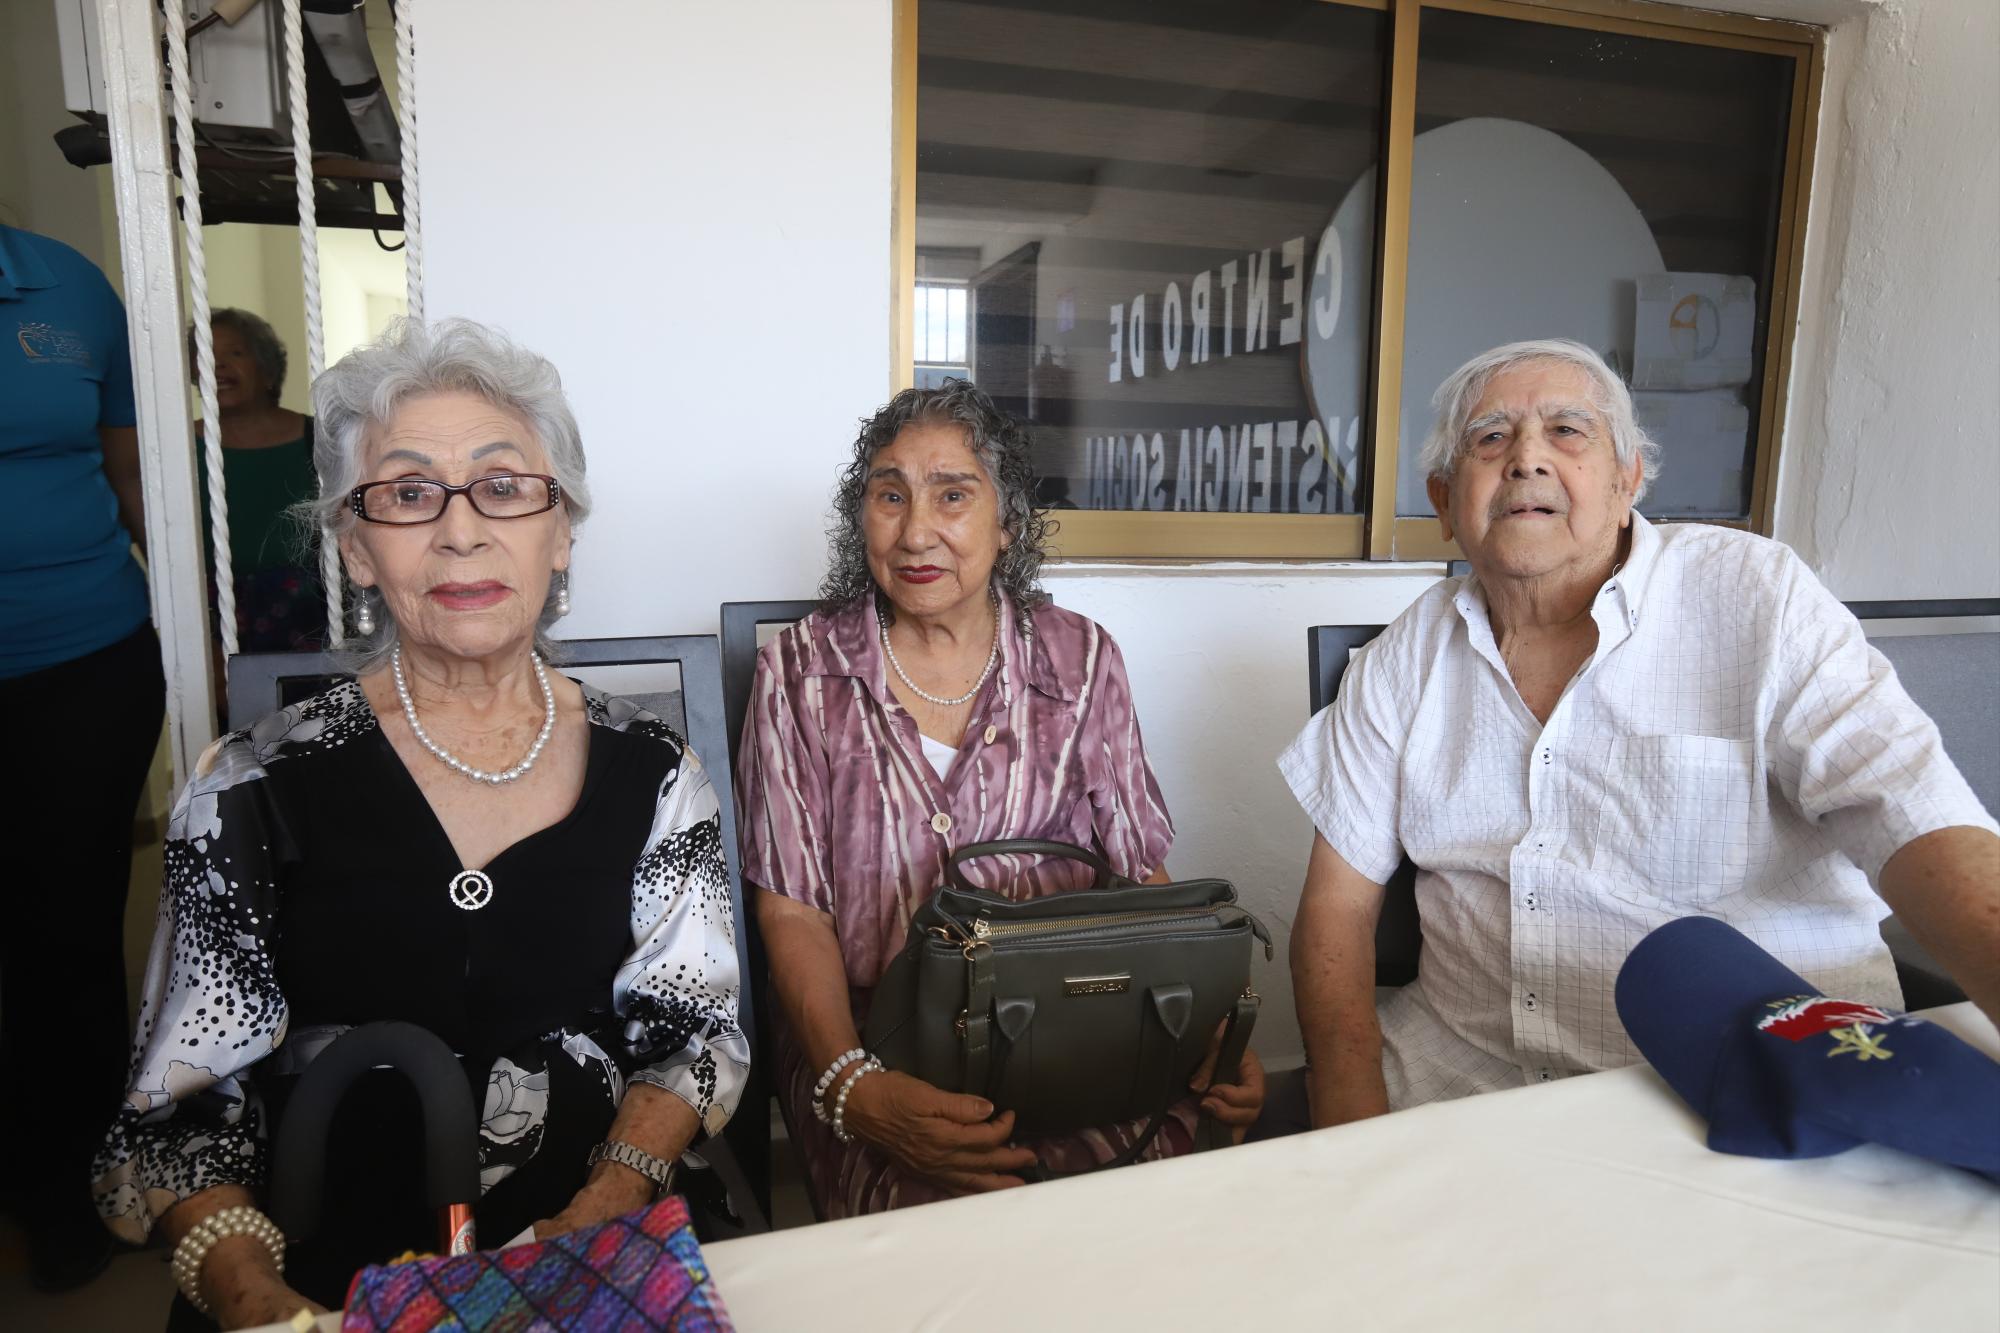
[[78, 741]]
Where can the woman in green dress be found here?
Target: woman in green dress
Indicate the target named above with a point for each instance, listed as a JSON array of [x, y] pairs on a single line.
[[267, 469]]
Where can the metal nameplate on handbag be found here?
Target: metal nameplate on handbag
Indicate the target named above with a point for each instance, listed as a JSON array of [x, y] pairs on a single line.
[[1115, 984]]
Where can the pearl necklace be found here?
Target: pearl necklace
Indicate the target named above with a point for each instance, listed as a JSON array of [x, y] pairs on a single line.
[[453, 761], [992, 660]]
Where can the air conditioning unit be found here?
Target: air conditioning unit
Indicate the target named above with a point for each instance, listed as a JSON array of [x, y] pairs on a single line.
[[237, 77]]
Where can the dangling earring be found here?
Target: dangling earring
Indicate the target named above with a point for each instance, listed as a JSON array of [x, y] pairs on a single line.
[[364, 614], [562, 593]]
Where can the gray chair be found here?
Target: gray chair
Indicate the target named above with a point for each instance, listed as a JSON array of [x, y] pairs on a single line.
[[1398, 936], [1954, 678], [1950, 676], [741, 626], [742, 623], [260, 683]]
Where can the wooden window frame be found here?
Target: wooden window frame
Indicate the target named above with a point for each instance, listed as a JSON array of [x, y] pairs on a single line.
[[1380, 533]]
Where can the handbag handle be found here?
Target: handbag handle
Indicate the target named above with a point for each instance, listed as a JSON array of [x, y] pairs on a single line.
[[1069, 851]]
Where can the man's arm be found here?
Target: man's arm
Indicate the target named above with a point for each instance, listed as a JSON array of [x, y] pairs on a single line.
[[1945, 886], [1333, 984], [121, 469]]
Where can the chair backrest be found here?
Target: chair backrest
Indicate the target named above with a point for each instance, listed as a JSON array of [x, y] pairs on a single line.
[[741, 622], [261, 683], [1953, 678], [1398, 935], [1329, 648]]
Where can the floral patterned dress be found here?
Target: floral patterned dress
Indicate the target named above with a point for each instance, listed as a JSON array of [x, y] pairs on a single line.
[[307, 892]]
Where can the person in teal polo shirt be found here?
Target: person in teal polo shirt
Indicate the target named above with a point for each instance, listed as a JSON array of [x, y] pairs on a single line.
[[81, 703]]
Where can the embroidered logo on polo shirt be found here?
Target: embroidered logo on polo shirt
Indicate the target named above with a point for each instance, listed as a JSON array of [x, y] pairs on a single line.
[[46, 344], [1851, 1025]]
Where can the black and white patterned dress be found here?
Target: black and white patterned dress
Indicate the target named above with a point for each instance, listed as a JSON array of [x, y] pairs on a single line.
[[306, 893]]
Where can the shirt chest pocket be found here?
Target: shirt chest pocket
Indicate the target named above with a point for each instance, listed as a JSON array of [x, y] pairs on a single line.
[[1675, 825]]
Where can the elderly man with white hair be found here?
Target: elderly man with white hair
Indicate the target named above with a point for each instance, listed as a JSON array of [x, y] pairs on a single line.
[[1605, 726]]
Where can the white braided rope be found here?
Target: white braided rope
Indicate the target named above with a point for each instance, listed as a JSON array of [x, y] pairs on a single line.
[[302, 181], [406, 115], [204, 335]]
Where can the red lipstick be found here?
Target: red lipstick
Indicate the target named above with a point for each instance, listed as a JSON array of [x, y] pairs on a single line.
[[469, 596]]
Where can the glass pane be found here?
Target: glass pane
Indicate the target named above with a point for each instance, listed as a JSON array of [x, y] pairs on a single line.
[[1165, 199], [955, 325], [940, 313], [1622, 191], [920, 340]]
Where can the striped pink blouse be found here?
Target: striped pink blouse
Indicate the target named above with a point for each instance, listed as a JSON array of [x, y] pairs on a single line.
[[839, 809]]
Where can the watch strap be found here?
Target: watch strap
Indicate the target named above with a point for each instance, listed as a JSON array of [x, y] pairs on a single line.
[[661, 1173]]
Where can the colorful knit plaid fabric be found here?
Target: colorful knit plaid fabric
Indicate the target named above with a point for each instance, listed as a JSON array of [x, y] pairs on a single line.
[[640, 1271]]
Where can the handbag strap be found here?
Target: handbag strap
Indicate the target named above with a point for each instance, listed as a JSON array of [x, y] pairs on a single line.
[[1211, 1133], [1069, 851], [978, 1016]]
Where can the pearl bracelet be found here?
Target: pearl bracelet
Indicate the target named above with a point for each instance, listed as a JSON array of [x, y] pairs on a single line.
[[869, 1066], [826, 1081], [241, 1220]]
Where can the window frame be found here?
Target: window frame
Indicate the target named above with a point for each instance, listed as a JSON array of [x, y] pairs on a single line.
[[1380, 534]]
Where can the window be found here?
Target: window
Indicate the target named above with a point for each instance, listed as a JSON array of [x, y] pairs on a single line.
[[1219, 254], [940, 314]]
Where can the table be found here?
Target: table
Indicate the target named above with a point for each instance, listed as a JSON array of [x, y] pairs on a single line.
[[1591, 1203]]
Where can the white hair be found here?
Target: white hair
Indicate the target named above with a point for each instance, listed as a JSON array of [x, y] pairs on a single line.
[[1462, 390], [363, 391]]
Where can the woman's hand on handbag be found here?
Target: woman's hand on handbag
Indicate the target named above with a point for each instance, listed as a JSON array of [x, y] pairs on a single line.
[[1236, 1104], [948, 1137]]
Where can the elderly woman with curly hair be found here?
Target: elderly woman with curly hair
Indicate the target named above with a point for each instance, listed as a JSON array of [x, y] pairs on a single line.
[[936, 698], [460, 838]]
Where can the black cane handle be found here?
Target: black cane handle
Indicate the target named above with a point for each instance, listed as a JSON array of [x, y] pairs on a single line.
[[451, 1126]]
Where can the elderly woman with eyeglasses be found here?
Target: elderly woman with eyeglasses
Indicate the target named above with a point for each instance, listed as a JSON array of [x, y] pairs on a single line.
[[461, 838], [936, 699]]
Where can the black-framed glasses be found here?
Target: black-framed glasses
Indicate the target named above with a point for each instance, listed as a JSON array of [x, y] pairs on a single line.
[[413, 500]]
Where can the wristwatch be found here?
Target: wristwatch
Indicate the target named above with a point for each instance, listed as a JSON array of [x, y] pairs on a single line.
[[652, 1168]]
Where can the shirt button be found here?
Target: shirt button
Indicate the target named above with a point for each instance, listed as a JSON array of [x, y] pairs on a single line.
[[941, 822], [1528, 1002], [1544, 1076], [989, 734]]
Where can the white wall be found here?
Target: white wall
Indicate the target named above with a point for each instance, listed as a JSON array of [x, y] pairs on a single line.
[[1217, 656], [1890, 478], [686, 207], [39, 189], [691, 216]]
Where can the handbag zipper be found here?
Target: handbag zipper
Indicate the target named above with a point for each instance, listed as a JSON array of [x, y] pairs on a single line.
[[989, 934], [985, 930]]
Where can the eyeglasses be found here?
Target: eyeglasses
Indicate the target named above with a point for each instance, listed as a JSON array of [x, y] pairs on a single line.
[[409, 500]]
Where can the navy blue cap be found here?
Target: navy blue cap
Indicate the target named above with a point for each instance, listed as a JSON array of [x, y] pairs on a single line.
[[1780, 1070]]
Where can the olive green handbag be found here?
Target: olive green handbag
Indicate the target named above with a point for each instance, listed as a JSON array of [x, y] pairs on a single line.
[[1072, 1010]]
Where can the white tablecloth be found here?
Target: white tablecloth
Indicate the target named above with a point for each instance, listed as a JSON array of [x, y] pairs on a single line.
[[1589, 1204], [1586, 1204]]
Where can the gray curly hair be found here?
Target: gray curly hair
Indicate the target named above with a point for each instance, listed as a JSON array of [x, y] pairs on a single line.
[[998, 441], [362, 392], [1462, 390]]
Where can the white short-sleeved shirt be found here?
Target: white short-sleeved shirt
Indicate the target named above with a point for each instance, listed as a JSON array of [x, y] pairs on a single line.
[[1733, 748]]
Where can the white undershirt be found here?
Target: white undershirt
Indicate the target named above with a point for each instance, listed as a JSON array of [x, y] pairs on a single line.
[[938, 753]]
